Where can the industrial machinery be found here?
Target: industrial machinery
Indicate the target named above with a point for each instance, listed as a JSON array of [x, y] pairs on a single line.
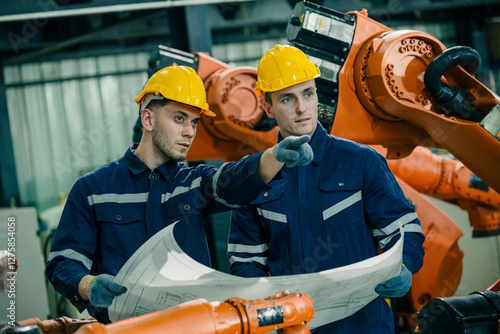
[[477, 313], [284, 312], [398, 91], [61, 325]]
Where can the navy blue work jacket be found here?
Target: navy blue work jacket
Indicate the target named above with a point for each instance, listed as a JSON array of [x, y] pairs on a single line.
[[333, 212], [113, 210]]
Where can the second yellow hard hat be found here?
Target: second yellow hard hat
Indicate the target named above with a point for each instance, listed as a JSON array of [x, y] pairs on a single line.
[[283, 66]]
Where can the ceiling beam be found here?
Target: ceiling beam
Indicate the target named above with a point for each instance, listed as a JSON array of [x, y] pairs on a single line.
[[90, 36], [93, 10]]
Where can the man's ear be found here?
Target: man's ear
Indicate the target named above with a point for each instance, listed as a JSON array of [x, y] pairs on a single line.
[[268, 109], [147, 119]]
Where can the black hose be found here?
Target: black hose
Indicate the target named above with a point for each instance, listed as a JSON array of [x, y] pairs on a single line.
[[452, 100]]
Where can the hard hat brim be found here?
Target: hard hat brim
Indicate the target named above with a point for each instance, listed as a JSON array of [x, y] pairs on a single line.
[[144, 100]]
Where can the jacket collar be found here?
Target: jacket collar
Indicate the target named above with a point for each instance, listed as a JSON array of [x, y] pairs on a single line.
[[136, 166], [318, 143]]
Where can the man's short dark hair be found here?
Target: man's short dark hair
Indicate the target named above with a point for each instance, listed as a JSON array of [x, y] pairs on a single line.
[[155, 105], [268, 98]]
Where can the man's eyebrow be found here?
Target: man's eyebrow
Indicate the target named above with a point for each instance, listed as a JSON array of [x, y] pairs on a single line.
[[286, 95], [307, 89], [182, 113]]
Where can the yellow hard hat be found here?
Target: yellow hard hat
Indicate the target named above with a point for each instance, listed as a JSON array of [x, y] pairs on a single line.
[[283, 66], [176, 83]]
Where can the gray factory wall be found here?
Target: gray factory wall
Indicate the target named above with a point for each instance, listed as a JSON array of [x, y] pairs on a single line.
[[69, 117]]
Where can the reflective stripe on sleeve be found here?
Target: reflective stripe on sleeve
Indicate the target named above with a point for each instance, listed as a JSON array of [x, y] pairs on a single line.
[[196, 183], [279, 217], [408, 228], [392, 227], [72, 255], [214, 187], [118, 198], [253, 249], [413, 228], [258, 259], [333, 210]]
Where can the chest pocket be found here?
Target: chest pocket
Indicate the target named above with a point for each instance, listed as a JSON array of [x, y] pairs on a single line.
[[118, 214], [121, 231], [185, 204], [341, 198]]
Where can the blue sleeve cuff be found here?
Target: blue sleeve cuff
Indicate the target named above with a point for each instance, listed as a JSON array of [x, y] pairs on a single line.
[[66, 285], [413, 253]]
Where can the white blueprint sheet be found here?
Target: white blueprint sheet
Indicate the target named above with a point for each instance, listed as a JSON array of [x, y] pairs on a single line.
[[159, 275]]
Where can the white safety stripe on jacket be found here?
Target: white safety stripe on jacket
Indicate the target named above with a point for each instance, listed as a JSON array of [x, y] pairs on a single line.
[[196, 183], [279, 217], [392, 227], [344, 204], [253, 249], [118, 198], [214, 187], [407, 228], [259, 259], [72, 255]]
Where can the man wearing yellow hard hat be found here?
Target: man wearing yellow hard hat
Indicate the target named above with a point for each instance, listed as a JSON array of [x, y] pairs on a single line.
[[113, 210], [335, 211]]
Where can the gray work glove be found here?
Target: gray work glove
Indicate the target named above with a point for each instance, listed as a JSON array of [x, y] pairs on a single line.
[[397, 286], [294, 151], [102, 290]]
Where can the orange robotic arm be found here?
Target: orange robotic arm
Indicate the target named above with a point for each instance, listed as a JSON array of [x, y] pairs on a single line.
[[286, 312], [451, 181]]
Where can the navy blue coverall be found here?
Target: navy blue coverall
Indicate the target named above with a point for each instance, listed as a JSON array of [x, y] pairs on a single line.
[[333, 212], [113, 210]]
